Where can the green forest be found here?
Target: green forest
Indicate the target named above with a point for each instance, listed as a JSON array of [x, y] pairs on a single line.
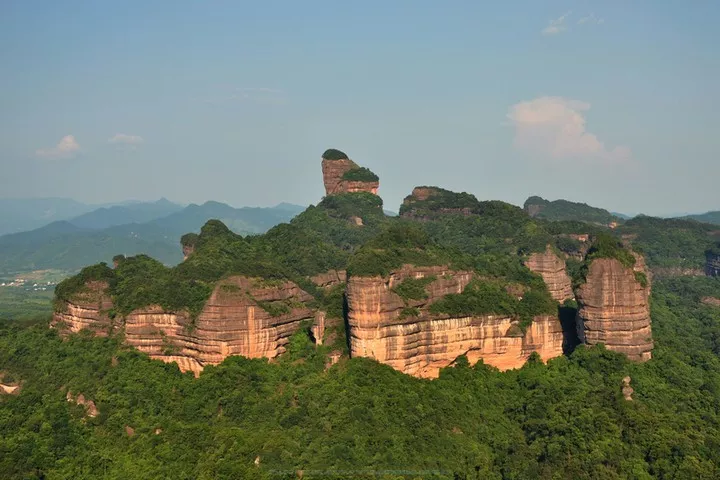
[[360, 419], [297, 416]]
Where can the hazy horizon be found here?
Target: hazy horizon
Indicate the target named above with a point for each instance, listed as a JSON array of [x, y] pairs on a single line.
[[606, 103]]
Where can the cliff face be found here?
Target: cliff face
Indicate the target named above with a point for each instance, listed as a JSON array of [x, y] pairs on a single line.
[[233, 322], [89, 310], [333, 171], [614, 309], [422, 344], [552, 269], [712, 264]]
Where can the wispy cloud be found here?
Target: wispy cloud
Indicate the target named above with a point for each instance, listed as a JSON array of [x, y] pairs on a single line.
[[556, 26], [124, 139], [591, 19], [67, 147], [554, 127]]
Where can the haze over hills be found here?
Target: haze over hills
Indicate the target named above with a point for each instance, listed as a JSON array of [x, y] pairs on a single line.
[[21, 214], [97, 236], [128, 213]]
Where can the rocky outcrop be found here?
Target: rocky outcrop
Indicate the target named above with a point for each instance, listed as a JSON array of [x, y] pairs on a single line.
[[712, 263], [335, 170], [406, 336], [89, 310], [552, 269], [330, 278], [425, 203], [712, 301], [243, 316], [90, 408], [627, 390], [614, 308]]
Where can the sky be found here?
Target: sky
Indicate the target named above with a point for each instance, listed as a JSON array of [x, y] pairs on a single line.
[[612, 103]]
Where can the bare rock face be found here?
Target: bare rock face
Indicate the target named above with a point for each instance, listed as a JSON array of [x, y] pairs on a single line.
[[614, 309], [552, 269], [333, 171], [80, 399], [712, 264], [236, 320], [330, 278], [89, 310], [712, 301], [627, 390], [423, 343]]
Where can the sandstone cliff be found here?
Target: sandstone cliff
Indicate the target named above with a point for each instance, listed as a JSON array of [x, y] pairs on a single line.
[[614, 308], [88, 310], [406, 336], [336, 171], [552, 269], [244, 316]]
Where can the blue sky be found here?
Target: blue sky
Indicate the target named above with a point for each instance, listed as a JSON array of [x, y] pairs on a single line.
[[614, 103]]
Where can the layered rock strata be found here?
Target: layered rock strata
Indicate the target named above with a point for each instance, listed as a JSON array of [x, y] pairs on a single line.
[[614, 309], [422, 344], [333, 173], [89, 310], [234, 321], [553, 271]]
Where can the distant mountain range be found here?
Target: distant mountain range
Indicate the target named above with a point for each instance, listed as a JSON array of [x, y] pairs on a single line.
[[709, 217], [153, 228]]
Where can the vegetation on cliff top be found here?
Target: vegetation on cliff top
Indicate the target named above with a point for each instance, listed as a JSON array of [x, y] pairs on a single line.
[[360, 174], [334, 154], [566, 210], [439, 201], [485, 297]]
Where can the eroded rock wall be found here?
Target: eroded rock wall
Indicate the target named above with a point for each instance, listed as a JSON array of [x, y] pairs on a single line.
[[423, 344], [89, 310], [553, 271], [614, 309], [233, 322]]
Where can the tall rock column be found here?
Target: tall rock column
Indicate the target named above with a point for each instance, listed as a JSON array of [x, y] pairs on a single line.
[[337, 171], [614, 309], [552, 270]]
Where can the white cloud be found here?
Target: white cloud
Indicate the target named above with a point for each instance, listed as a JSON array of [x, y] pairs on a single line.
[[556, 26], [126, 139], [555, 127], [67, 147], [591, 19]]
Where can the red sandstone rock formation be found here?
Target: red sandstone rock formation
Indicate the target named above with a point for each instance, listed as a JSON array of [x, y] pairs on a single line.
[[333, 171], [233, 322], [422, 345], [89, 310], [330, 278], [552, 269], [614, 309]]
